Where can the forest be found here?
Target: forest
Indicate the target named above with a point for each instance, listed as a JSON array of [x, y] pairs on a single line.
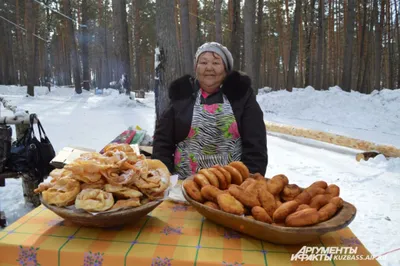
[[280, 44]]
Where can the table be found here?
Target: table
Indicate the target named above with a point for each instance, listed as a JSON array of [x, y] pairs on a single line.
[[173, 234]]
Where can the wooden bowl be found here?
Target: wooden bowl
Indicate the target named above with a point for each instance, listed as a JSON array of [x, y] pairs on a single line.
[[272, 233], [117, 218]]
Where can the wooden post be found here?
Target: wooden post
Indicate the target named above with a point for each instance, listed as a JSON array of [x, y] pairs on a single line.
[[387, 150], [29, 183], [20, 130]]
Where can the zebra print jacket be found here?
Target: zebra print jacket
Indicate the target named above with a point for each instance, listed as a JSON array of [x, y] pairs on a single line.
[[174, 124]]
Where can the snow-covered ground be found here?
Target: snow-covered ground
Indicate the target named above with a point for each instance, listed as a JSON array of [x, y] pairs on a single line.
[[92, 121]]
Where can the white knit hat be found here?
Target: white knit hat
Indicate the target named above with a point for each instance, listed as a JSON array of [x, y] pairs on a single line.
[[218, 49]]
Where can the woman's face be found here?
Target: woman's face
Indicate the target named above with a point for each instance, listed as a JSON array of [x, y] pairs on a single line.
[[210, 71]]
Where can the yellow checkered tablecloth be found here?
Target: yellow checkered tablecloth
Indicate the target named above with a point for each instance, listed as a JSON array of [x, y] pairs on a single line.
[[173, 234]]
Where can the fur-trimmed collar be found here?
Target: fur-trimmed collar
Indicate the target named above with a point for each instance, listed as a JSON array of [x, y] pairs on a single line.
[[235, 85]]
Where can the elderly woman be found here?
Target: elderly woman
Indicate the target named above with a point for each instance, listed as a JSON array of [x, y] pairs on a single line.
[[212, 119]]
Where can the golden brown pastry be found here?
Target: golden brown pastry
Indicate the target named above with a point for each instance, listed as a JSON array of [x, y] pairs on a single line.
[[261, 215], [94, 200], [290, 192], [201, 180], [303, 198], [132, 202], [262, 184], [57, 174], [246, 198], [267, 201], [226, 174], [277, 183], [157, 169], [327, 212], [223, 184], [278, 201], [229, 204], [258, 176], [62, 193], [118, 147], [242, 168], [237, 178], [314, 190], [87, 177], [44, 186], [333, 190], [319, 201], [117, 177], [210, 176], [302, 207], [321, 184], [98, 184], [284, 210], [211, 205], [247, 182], [304, 217], [338, 201], [82, 165], [122, 192], [210, 193], [193, 190]]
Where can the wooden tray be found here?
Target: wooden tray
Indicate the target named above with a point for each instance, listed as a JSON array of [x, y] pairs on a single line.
[[272, 233], [117, 218]]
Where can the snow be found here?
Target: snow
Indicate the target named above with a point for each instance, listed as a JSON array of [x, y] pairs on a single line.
[[375, 117], [90, 120]]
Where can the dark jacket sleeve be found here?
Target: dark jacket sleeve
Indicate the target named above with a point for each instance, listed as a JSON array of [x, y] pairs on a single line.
[[254, 137], [164, 140]]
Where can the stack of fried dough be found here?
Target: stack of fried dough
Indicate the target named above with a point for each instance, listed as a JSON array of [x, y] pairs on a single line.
[[234, 190], [116, 178]]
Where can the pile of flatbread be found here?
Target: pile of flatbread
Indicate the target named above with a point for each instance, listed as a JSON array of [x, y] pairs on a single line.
[[97, 182]]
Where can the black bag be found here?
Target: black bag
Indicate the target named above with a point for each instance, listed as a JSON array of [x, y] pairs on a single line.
[[44, 146], [31, 155]]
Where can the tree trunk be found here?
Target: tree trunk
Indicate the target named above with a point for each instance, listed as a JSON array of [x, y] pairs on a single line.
[[194, 25], [48, 49], [331, 45], [362, 47], [390, 53], [20, 47], [168, 69], [235, 34], [348, 48], [106, 76], [378, 48], [122, 41], [85, 45], [259, 46], [282, 46], [186, 44], [293, 46], [301, 53], [249, 13], [74, 50], [308, 74], [136, 44], [320, 46], [178, 35], [30, 41], [398, 43], [218, 30]]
